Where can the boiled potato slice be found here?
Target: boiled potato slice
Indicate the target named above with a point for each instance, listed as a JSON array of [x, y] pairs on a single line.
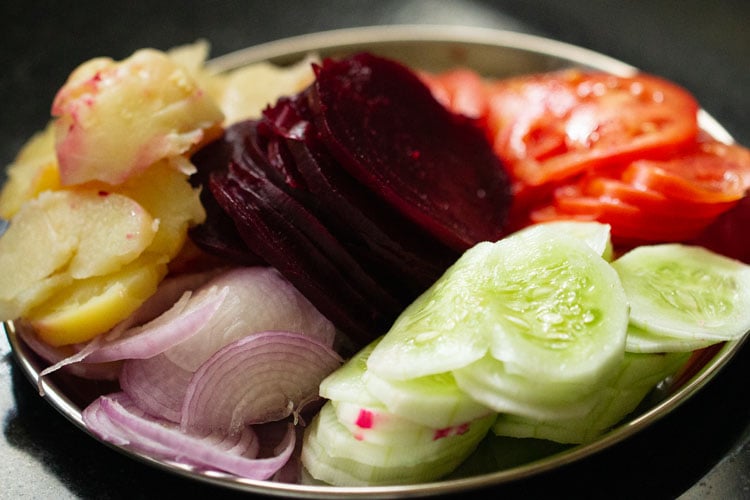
[[34, 170], [89, 307]]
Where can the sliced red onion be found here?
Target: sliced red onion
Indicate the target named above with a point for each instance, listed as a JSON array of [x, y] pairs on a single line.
[[185, 318], [156, 385], [258, 299], [69, 353], [260, 378], [116, 419], [170, 290]]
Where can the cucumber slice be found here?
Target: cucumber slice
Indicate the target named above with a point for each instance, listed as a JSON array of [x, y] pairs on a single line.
[[486, 381], [686, 292], [331, 454], [638, 375], [433, 400], [346, 384], [597, 235], [560, 309], [375, 424], [640, 340], [443, 329], [543, 301]]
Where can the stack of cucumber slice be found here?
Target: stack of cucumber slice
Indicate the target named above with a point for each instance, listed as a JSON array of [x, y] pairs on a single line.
[[539, 335]]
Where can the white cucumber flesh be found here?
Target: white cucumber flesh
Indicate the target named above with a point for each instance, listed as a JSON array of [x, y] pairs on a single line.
[[640, 340], [346, 384], [443, 329], [432, 400], [543, 301], [560, 309], [597, 235], [684, 291], [486, 381], [637, 377], [332, 454], [377, 425]]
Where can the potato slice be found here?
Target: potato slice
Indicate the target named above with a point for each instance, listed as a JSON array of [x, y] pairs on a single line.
[[34, 170], [89, 307], [115, 119], [78, 233], [168, 196]]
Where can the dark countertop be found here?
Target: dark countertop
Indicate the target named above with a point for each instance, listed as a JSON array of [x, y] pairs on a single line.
[[700, 450]]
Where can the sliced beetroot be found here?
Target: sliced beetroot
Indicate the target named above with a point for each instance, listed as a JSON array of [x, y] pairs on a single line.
[[408, 259], [384, 126], [218, 235], [361, 190], [330, 279]]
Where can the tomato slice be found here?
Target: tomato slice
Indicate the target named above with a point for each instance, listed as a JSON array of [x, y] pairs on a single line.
[[556, 125], [652, 201], [711, 172], [628, 220]]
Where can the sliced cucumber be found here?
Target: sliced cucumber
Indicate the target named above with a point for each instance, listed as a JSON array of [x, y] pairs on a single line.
[[640, 340], [433, 400], [596, 234], [560, 308], [486, 381], [375, 424], [686, 292], [330, 453], [443, 329], [638, 375], [346, 384], [543, 301]]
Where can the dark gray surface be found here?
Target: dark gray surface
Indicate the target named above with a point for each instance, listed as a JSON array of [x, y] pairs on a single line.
[[700, 450]]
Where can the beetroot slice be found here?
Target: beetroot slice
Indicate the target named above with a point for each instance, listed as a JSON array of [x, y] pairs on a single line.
[[384, 126], [340, 291], [217, 235], [408, 259]]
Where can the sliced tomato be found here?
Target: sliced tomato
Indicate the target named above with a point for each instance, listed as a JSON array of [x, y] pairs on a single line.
[[711, 172], [629, 221], [556, 125], [652, 201]]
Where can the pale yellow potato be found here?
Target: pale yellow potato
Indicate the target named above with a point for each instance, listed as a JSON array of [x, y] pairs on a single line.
[[78, 233], [170, 199], [33, 170], [115, 119], [87, 308], [244, 93]]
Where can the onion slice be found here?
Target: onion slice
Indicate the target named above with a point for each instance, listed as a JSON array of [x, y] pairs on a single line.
[[116, 419], [258, 299], [156, 385], [260, 378]]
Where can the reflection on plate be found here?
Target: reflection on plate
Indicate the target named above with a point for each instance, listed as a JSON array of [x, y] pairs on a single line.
[[494, 54]]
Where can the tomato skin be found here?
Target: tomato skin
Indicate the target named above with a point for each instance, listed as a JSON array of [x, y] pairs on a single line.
[[557, 125]]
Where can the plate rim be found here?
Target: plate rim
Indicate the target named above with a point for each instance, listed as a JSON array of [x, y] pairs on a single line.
[[339, 39]]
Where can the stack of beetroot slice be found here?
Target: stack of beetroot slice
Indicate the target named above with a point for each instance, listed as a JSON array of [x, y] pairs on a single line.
[[361, 190]]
